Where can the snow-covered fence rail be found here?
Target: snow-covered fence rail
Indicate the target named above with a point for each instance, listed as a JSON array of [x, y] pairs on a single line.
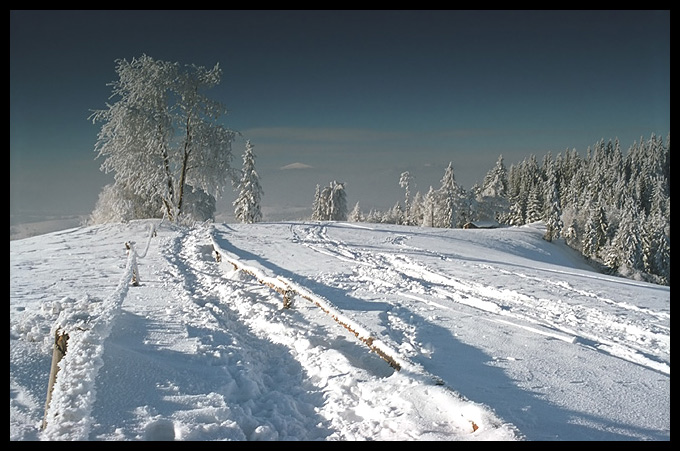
[[290, 290], [82, 329]]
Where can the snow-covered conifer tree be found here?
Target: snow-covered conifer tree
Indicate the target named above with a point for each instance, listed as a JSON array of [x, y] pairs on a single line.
[[247, 207], [453, 211], [355, 214], [492, 197], [337, 206], [318, 207], [624, 253], [495, 182], [431, 208], [534, 205], [656, 247], [405, 181], [330, 204], [373, 216], [394, 215], [416, 217], [553, 210], [515, 215], [595, 233]]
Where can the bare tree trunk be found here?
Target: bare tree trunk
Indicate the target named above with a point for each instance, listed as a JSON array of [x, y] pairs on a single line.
[[171, 190], [185, 161], [167, 201], [182, 180]]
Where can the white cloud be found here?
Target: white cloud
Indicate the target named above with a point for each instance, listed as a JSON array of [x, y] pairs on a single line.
[[296, 166]]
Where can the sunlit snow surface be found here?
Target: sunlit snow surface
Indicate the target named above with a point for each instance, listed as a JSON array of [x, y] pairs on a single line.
[[492, 335]]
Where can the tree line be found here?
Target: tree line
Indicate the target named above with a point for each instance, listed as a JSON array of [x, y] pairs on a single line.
[[612, 208]]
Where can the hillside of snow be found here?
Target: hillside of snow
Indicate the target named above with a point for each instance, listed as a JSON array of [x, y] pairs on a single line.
[[391, 333]]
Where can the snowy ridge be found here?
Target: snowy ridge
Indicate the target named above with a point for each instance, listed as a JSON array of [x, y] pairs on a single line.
[[87, 323]]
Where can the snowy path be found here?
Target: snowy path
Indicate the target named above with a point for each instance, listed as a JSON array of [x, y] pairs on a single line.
[[202, 352], [490, 347]]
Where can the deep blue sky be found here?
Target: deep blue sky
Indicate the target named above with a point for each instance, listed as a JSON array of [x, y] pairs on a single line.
[[360, 96]]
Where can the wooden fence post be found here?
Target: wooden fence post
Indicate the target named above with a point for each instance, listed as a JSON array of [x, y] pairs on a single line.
[[58, 351], [135, 271]]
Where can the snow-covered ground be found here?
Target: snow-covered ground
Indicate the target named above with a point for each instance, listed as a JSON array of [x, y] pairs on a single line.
[[394, 333]]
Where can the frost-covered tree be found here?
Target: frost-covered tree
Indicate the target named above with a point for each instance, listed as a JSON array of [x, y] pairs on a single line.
[[534, 205], [162, 133], [491, 199], [116, 203], [656, 247], [595, 232], [355, 214], [495, 182], [324, 204], [373, 216], [330, 204], [448, 191], [430, 208], [452, 210], [522, 180], [405, 181], [516, 211], [416, 216], [318, 206], [553, 210], [247, 207], [624, 253], [337, 205], [395, 215]]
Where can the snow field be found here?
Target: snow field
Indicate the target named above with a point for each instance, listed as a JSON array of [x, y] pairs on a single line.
[[491, 345]]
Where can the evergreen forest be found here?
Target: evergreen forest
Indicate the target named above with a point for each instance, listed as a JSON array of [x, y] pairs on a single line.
[[613, 208]]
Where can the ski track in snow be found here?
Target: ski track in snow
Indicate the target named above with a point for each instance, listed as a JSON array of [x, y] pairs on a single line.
[[573, 321]]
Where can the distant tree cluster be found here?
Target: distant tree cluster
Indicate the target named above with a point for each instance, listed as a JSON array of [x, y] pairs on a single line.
[[330, 204], [612, 208]]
